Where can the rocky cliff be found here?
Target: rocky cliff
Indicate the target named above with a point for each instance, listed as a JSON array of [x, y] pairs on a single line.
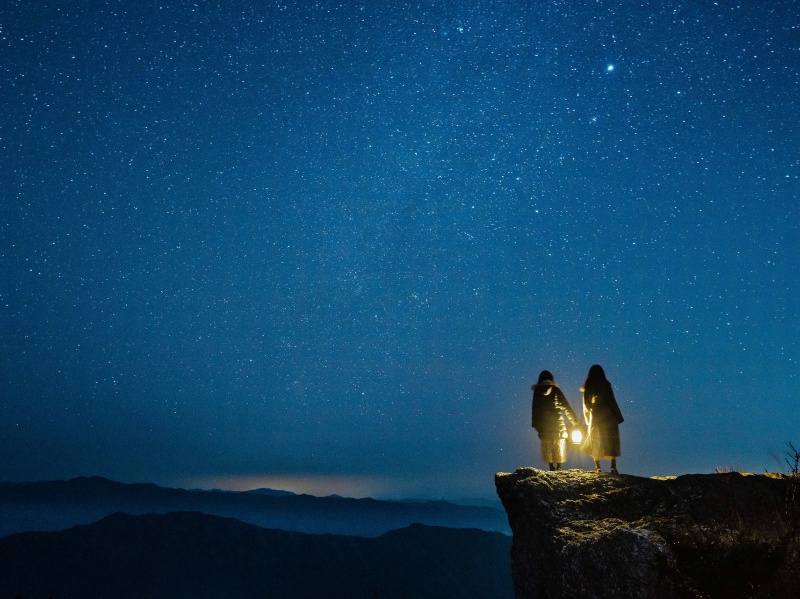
[[580, 534]]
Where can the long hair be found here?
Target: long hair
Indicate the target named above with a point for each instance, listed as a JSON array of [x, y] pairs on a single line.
[[596, 375], [597, 385]]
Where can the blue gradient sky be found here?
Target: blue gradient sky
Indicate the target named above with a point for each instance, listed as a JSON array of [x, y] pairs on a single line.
[[334, 243]]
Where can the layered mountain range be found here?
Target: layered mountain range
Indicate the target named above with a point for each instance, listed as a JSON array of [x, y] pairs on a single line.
[[55, 505], [93, 537], [189, 554]]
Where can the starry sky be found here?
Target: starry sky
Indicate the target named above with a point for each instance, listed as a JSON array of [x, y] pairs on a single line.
[[328, 245]]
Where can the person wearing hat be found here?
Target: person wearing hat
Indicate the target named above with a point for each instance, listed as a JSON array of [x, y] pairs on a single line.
[[547, 416]]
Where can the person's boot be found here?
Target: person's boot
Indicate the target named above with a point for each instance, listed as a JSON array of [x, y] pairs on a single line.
[[597, 465], [558, 466], [614, 467], [552, 466]]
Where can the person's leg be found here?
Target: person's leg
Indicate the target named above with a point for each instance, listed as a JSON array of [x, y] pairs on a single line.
[[597, 465], [614, 467], [558, 466], [552, 466]]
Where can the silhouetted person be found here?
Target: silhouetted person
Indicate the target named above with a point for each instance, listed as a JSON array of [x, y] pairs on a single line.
[[603, 418], [547, 417]]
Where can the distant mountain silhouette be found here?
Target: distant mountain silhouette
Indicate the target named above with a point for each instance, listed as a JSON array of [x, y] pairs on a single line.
[[200, 556], [272, 492], [56, 505]]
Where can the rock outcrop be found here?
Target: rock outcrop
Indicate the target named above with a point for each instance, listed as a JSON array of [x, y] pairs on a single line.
[[580, 534]]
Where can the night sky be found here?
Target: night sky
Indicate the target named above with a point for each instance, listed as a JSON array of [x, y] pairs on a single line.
[[328, 246]]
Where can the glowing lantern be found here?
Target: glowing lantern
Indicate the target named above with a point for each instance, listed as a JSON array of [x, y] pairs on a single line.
[[577, 436]]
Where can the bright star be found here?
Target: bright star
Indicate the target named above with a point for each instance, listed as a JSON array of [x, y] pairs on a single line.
[[610, 68]]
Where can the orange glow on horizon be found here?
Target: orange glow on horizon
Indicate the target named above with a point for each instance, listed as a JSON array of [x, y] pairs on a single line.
[[308, 484]]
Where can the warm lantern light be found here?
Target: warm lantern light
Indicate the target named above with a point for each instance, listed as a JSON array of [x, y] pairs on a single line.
[[577, 436]]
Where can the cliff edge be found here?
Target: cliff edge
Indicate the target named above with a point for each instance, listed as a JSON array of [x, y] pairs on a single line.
[[580, 534]]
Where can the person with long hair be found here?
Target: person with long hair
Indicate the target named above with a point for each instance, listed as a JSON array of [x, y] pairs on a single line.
[[547, 416], [603, 418]]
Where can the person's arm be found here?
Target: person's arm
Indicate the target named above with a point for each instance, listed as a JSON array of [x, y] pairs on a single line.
[[564, 405], [587, 410]]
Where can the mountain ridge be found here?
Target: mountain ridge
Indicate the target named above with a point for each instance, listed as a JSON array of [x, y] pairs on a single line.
[[184, 554], [57, 505]]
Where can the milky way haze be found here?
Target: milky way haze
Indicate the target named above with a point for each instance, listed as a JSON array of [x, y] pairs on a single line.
[[332, 244]]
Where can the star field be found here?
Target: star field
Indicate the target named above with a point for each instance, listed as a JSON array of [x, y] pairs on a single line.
[[250, 240]]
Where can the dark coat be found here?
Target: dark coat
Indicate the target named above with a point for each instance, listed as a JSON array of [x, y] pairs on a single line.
[[547, 412], [603, 416]]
